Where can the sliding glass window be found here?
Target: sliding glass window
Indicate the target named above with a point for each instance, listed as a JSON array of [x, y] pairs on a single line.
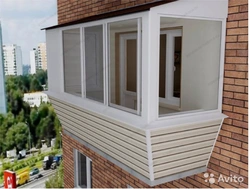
[[93, 37], [124, 44], [72, 61], [189, 65]]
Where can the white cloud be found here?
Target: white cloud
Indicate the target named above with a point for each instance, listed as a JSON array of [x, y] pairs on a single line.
[[23, 22], [26, 5]]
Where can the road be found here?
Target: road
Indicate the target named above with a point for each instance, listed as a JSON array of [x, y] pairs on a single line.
[[40, 183]]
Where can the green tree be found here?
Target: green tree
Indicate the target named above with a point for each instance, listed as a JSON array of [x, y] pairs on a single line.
[[56, 181], [41, 76], [16, 101], [35, 85], [42, 121], [16, 136]]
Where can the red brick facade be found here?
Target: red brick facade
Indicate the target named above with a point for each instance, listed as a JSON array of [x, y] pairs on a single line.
[[70, 10], [231, 150]]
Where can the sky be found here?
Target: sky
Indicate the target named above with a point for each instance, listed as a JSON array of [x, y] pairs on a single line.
[[22, 21]]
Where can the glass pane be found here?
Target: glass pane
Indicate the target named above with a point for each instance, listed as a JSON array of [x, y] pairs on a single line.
[[123, 64], [196, 65], [131, 68], [94, 62], [82, 171], [91, 180], [72, 62], [177, 67], [162, 71]]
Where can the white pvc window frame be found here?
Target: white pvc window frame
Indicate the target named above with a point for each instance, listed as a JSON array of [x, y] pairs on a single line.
[[172, 116], [83, 63], [88, 170], [62, 59], [138, 74], [169, 79], [150, 79], [106, 84]]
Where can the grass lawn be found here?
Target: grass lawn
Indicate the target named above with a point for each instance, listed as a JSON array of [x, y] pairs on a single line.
[[39, 164]]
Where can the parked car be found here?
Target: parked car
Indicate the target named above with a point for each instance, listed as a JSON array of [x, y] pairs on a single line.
[[39, 176], [34, 171]]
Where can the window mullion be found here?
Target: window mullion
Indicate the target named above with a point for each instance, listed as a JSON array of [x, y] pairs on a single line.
[[105, 65], [83, 74], [138, 79], [88, 172], [107, 37]]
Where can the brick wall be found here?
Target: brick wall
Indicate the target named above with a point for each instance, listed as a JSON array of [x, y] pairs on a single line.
[[230, 153], [105, 174], [70, 10]]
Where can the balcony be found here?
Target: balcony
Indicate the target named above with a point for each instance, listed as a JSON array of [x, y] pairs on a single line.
[[143, 89]]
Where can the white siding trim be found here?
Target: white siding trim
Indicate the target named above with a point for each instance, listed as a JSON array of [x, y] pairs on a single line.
[[222, 58], [215, 141], [150, 157]]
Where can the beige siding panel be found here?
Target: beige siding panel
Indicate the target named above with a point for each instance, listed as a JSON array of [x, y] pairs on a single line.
[[184, 134], [178, 156], [115, 143], [98, 117], [139, 137], [182, 142], [169, 130], [179, 163], [180, 149], [115, 156], [180, 169], [120, 142], [111, 149], [101, 129]]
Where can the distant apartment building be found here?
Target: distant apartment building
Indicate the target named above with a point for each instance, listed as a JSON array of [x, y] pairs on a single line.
[[2, 88], [38, 58], [26, 69], [33, 61], [42, 56], [35, 99], [12, 56]]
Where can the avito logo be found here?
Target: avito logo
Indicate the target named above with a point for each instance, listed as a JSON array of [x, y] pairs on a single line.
[[209, 177]]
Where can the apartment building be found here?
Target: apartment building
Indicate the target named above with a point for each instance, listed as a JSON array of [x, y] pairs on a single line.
[[38, 58], [12, 55], [151, 93], [35, 99], [42, 56], [33, 61], [3, 108]]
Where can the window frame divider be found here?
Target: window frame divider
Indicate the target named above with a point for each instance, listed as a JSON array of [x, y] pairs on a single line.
[[83, 65], [105, 64], [139, 54]]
